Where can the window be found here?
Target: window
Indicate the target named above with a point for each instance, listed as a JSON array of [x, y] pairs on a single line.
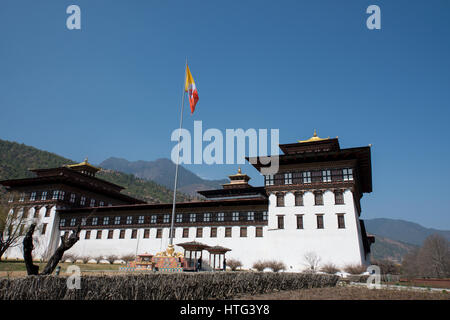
[[99, 234], [280, 222], [341, 221], [55, 195], [47, 212], [44, 196], [207, 217], [22, 197], [36, 213], [83, 201], [62, 223], [146, 233], [250, 216], [110, 234], [105, 221], [179, 217], [320, 221], [44, 228], [166, 218], [116, 220], [141, 219], [306, 175], [87, 235], [122, 234], [192, 217], [133, 234], [153, 219], [94, 221], [11, 199], [265, 216], [33, 196], [235, 216], [243, 232], [288, 178], [73, 197], [185, 232], [298, 199], [213, 233], [61, 195], [220, 216], [73, 221], [299, 221], [326, 175], [92, 204], [199, 233], [259, 232], [269, 180], [338, 197], [348, 174], [280, 200], [83, 221], [228, 232], [101, 204], [318, 198], [129, 219]]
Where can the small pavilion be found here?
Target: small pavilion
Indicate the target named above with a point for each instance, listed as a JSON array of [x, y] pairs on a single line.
[[217, 253], [192, 251]]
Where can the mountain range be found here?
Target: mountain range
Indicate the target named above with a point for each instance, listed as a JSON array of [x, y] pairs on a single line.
[[162, 171], [152, 181]]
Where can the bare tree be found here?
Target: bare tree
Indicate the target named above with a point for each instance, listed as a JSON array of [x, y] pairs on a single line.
[[66, 244], [312, 260], [434, 257], [11, 225]]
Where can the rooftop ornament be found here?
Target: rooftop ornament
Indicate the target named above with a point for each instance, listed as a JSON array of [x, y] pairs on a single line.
[[313, 138]]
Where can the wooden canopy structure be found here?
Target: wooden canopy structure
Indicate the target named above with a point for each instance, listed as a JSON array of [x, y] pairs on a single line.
[[191, 250], [217, 263]]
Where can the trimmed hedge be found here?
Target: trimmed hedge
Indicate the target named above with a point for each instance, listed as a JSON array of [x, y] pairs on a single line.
[[161, 286]]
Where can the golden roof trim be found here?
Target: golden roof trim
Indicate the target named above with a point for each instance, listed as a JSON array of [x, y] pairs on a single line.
[[313, 138], [84, 163]]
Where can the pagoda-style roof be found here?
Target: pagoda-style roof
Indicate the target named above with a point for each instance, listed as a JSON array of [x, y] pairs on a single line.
[[68, 176], [84, 167], [218, 250], [193, 246]]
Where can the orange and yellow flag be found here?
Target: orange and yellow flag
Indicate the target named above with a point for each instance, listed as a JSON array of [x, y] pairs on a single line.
[[191, 89]]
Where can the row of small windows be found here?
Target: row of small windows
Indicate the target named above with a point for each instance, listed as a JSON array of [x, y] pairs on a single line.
[[60, 195], [319, 221], [185, 233], [25, 213], [305, 177], [165, 218], [318, 198]]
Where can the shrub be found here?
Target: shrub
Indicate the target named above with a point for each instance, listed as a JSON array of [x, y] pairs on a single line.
[[161, 286], [276, 265], [387, 266], [260, 265], [69, 256], [234, 264], [111, 258], [329, 268], [355, 268], [128, 257], [85, 259]]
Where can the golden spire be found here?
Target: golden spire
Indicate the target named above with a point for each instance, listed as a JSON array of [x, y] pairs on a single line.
[[314, 138], [239, 170]]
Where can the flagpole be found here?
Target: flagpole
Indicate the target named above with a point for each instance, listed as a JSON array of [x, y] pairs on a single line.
[[171, 232]]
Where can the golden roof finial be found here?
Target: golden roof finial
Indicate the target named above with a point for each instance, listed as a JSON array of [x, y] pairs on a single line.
[[314, 138], [86, 159], [239, 170]]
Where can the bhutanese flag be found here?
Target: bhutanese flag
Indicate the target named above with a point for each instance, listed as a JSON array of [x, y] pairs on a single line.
[[191, 89]]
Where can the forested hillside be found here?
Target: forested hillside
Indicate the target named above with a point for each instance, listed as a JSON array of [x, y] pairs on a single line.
[[16, 159]]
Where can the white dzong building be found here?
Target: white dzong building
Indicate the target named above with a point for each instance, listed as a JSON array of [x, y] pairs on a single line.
[[311, 207]]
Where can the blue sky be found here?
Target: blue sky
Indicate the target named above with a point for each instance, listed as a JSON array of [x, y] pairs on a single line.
[[113, 87]]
